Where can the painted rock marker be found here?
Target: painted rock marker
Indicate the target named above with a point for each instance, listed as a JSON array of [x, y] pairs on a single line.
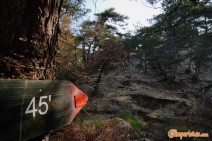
[[30, 108]]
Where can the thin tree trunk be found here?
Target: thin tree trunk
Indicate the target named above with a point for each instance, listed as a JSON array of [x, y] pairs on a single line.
[[75, 55], [145, 63], [98, 81], [196, 74], [172, 48], [84, 55], [89, 51], [28, 31], [128, 56], [188, 70], [88, 54]]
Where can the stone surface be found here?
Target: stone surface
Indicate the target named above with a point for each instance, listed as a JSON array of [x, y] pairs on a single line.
[[206, 106]]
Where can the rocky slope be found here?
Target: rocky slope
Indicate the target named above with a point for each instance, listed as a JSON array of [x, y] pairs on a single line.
[[157, 105]]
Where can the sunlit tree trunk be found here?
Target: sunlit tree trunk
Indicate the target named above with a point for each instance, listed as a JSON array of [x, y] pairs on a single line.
[[28, 31]]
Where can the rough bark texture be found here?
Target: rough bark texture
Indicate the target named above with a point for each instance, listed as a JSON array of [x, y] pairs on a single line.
[[171, 49], [28, 31]]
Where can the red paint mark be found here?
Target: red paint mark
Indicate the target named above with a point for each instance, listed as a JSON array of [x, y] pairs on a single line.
[[80, 100]]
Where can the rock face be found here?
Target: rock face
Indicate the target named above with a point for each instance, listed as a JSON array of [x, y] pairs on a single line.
[[130, 91], [206, 106], [133, 91], [88, 89]]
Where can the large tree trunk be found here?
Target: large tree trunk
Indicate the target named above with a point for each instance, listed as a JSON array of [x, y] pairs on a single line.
[[28, 31]]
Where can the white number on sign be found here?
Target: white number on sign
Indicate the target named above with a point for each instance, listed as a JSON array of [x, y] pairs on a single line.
[[32, 103], [42, 103]]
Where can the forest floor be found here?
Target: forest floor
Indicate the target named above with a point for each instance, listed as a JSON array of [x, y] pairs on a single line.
[[133, 105]]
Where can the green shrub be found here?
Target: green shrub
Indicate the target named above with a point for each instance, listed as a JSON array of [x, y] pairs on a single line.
[[134, 121]]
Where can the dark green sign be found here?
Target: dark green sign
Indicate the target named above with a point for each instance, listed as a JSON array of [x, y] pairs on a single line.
[[30, 108]]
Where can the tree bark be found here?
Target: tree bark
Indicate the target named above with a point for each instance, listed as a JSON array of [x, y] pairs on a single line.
[[28, 31], [172, 51]]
